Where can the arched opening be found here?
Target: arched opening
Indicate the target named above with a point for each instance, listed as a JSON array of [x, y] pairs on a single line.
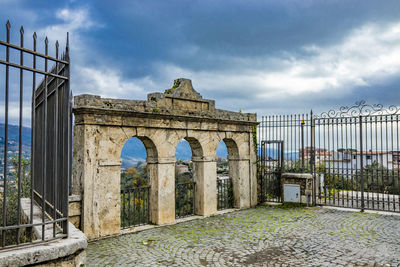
[[227, 174], [225, 198], [185, 176], [135, 183]]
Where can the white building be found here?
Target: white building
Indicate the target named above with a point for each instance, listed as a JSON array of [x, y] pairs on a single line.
[[349, 162]]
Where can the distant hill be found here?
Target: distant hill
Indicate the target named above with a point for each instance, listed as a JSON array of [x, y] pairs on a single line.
[[13, 133], [134, 151]]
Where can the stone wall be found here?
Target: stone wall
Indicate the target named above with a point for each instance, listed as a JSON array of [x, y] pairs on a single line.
[[69, 251], [103, 125], [304, 180]]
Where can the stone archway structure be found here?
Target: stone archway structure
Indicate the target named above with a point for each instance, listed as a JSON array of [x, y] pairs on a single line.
[[102, 126]]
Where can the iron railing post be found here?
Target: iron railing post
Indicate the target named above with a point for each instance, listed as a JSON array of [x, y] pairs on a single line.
[[302, 145], [312, 157], [361, 164], [3, 233]]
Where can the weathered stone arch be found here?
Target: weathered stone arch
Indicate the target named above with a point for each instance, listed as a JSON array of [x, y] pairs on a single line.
[[197, 149], [151, 149], [102, 126]]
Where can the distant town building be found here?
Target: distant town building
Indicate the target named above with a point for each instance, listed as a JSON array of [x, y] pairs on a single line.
[[181, 169]]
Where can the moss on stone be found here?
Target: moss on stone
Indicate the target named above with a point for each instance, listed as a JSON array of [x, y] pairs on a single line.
[[169, 91]]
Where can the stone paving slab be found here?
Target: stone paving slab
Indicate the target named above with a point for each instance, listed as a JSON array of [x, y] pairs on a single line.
[[262, 236]]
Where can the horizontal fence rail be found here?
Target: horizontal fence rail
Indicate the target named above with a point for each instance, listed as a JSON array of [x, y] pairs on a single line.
[[36, 165], [135, 206], [184, 199], [224, 193], [353, 154]]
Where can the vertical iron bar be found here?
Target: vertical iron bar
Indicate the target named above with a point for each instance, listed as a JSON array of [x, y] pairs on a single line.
[[342, 167], [21, 96], [33, 132], [330, 161], [3, 233], [295, 138], [312, 159], [302, 143], [291, 141], [147, 205], [55, 174], [346, 174], [398, 161], [67, 180], [376, 172], [352, 157], [387, 160], [326, 170], [392, 171], [362, 164], [130, 193], [381, 172], [371, 174], [339, 189], [44, 157]]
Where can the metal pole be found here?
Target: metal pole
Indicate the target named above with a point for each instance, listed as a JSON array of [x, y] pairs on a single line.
[[312, 160], [302, 145], [361, 165]]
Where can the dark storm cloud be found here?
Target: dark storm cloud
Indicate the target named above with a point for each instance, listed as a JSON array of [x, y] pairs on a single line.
[[258, 56]]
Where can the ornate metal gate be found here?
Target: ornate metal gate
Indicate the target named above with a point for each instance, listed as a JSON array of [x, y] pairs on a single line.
[[356, 157], [353, 154]]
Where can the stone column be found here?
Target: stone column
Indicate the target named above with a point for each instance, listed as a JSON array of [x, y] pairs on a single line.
[[205, 176], [162, 192], [239, 171]]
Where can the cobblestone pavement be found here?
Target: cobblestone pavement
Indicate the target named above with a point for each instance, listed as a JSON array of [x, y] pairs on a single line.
[[262, 236]]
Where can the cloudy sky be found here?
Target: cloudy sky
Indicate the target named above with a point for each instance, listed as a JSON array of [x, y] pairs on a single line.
[[269, 57]]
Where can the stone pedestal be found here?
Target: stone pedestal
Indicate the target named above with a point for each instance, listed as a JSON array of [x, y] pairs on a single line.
[[304, 180]]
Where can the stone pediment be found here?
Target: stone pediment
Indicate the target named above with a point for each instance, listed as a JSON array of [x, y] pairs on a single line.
[[181, 97], [183, 88], [180, 100]]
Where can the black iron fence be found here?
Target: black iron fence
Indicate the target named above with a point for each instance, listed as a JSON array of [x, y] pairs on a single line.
[[184, 199], [353, 153], [224, 193], [135, 206], [270, 170], [47, 144]]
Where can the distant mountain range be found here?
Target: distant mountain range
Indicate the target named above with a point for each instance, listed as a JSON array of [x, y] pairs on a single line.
[[134, 151], [13, 133]]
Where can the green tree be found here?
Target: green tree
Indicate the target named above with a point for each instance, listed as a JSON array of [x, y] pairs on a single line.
[[12, 195], [378, 179]]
